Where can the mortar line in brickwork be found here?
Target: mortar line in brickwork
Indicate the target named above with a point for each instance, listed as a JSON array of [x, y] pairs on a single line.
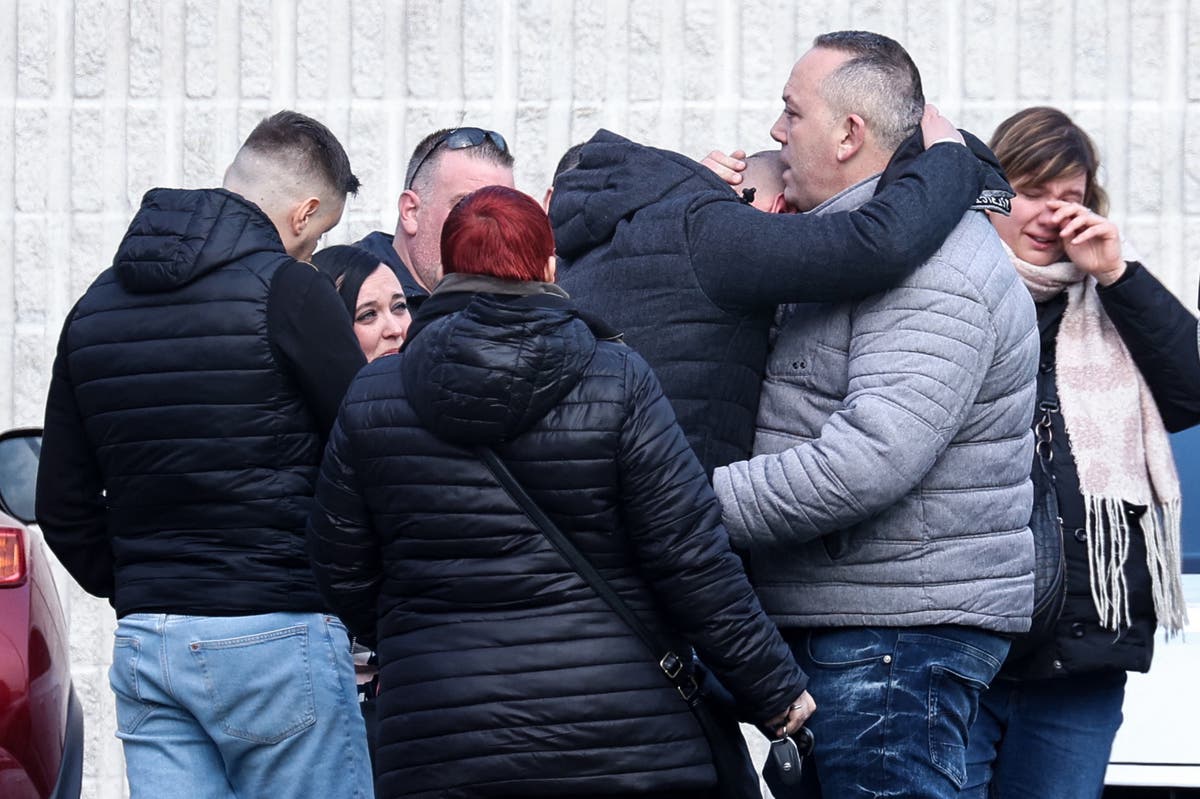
[[1117, 111], [507, 89], [1174, 113], [283, 68]]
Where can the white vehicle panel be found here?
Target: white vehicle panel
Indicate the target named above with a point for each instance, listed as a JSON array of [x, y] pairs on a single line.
[[1159, 742]]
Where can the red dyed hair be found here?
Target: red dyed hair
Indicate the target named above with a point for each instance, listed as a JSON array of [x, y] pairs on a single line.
[[500, 232]]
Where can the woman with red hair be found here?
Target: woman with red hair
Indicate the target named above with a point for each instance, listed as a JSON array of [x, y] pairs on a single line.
[[504, 673]]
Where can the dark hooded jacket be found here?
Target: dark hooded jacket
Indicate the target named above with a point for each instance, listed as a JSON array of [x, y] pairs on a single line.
[[379, 244], [194, 384], [663, 250], [1156, 328], [503, 673]]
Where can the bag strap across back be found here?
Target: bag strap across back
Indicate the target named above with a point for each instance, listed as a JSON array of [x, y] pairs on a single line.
[[671, 664]]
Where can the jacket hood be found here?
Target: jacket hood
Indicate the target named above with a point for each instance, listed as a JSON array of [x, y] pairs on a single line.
[[180, 234], [616, 178], [494, 364]]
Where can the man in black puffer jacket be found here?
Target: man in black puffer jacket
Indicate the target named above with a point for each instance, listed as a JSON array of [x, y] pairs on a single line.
[[194, 386]]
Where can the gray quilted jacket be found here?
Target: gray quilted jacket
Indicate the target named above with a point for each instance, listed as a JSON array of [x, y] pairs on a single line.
[[890, 483]]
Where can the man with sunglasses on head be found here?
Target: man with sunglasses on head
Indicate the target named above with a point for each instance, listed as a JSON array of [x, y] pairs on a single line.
[[446, 166]]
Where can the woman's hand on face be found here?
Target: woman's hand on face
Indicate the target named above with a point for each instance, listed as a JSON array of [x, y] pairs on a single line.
[[1092, 242], [788, 722]]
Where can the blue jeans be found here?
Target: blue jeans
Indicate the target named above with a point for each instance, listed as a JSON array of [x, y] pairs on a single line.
[[893, 707], [1045, 737], [218, 707]]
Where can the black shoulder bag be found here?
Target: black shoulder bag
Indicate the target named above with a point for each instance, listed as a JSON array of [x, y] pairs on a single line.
[[1049, 568], [736, 778]]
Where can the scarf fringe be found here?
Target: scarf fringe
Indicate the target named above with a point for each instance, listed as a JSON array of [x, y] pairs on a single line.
[[1121, 449], [1108, 551], [1165, 562]]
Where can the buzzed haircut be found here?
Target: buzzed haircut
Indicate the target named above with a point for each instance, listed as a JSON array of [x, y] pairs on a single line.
[[307, 143], [880, 83], [485, 150], [764, 172]]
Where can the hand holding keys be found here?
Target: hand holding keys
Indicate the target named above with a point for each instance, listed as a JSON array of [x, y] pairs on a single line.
[[786, 756]]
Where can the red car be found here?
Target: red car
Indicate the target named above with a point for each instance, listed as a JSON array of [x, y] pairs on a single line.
[[41, 721]]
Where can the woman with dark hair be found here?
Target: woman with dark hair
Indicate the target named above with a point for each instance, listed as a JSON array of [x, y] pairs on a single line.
[[1118, 371], [504, 673], [379, 313], [372, 294]]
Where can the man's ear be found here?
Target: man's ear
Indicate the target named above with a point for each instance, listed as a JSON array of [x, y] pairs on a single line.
[[551, 269], [302, 214], [853, 137], [546, 199], [409, 204], [779, 205]]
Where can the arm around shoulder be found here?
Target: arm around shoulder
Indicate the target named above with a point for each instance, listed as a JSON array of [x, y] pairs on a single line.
[[747, 258]]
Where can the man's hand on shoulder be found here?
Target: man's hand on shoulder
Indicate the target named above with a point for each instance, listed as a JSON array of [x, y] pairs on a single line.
[[935, 128], [729, 167]]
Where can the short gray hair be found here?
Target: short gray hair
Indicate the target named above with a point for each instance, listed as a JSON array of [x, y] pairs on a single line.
[[879, 82]]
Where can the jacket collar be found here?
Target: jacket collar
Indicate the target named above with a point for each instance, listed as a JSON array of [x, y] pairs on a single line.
[[455, 291], [849, 198]]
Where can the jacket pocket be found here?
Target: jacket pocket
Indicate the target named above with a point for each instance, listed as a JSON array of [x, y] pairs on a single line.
[[260, 685]]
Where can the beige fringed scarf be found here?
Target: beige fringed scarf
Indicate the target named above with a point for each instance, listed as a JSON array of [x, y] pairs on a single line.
[[1120, 445]]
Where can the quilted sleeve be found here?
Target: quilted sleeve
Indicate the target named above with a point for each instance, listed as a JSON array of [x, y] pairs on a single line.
[[683, 551], [342, 544], [917, 360]]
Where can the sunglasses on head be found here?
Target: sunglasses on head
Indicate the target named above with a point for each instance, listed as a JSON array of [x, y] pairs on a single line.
[[459, 139]]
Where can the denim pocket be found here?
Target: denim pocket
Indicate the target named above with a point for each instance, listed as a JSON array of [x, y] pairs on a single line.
[[953, 705], [846, 648], [123, 677], [260, 685]]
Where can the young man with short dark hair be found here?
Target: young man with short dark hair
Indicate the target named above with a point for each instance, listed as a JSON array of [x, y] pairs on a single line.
[[194, 386]]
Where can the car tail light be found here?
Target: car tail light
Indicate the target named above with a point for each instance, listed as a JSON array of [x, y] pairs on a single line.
[[12, 557]]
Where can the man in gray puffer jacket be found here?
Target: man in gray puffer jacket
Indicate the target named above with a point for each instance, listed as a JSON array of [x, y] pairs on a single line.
[[886, 506]]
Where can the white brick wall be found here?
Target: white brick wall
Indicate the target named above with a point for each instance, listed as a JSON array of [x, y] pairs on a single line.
[[103, 99]]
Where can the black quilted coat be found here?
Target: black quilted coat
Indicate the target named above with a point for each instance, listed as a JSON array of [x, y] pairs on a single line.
[[503, 673], [1156, 328], [205, 447]]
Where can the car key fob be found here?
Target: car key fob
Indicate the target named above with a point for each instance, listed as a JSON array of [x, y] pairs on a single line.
[[786, 758]]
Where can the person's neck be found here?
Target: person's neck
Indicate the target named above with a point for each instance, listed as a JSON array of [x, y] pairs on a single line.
[[863, 166], [400, 245]]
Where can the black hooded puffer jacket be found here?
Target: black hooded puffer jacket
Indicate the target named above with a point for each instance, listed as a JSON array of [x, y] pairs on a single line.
[[661, 249], [503, 673], [209, 452]]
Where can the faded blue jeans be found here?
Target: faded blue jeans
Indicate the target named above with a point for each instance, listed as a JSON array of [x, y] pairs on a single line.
[[1045, 737], [893, 707], [213, 707]]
